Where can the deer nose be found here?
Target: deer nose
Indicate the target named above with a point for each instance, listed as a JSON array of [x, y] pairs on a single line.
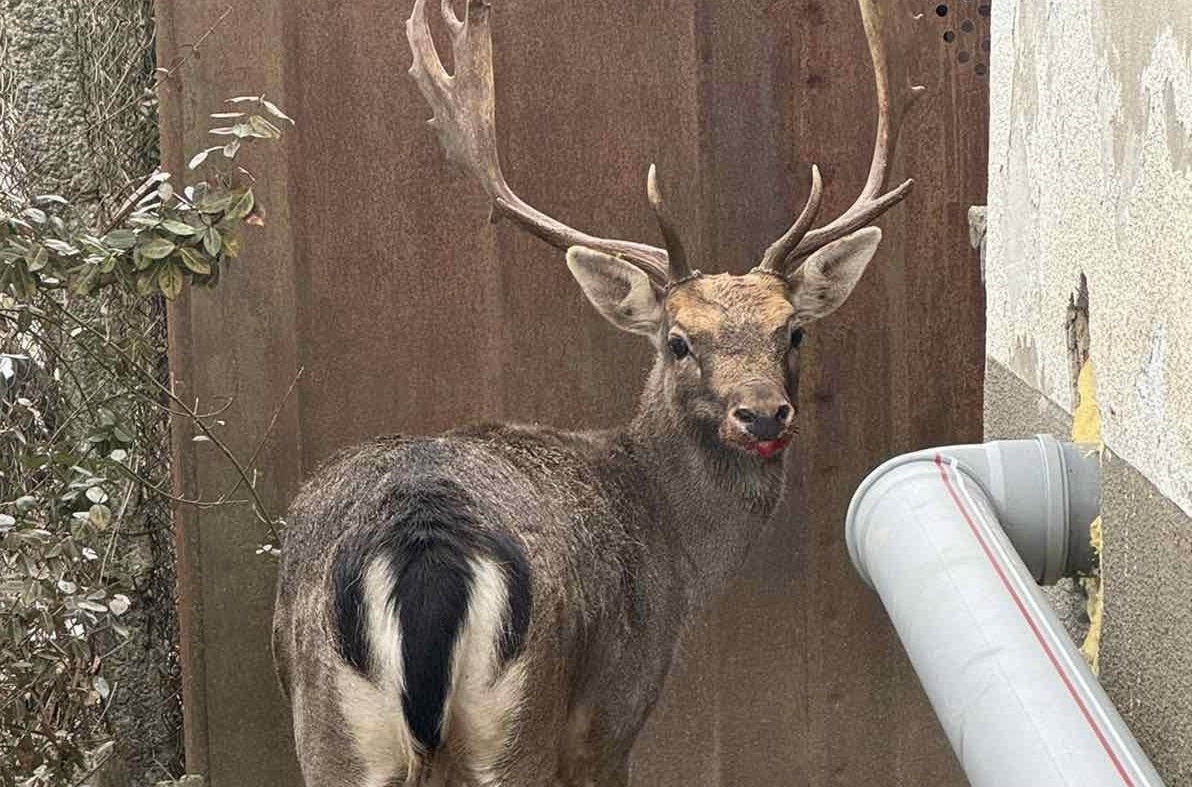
[[764, 420]]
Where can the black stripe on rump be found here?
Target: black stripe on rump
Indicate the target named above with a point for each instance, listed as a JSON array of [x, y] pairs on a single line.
[[430, 539]]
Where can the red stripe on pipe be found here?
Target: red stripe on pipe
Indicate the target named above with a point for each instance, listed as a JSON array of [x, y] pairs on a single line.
[[1055, 662]]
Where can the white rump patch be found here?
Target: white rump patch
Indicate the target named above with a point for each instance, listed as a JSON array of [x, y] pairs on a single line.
[[483, 706], [372, 708], [482, 702]]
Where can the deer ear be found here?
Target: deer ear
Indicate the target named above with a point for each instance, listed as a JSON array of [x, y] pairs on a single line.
[[827, 277], [619, 290]]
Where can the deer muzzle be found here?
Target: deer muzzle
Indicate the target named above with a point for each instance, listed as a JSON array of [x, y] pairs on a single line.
[[760, 418]]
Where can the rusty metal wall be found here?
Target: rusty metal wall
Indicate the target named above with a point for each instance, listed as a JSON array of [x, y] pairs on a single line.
[[378, 275]]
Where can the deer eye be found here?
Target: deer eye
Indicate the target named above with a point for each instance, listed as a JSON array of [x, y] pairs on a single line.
[[679, 346], [796, 336]]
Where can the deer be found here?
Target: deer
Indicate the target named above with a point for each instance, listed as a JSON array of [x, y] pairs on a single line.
[[501, 604]]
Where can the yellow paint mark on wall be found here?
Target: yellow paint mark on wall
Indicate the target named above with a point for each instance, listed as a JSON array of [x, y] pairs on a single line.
[[1086, 421], [1086, 428]]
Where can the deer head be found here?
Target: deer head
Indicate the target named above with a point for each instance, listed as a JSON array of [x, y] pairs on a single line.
[[727, 345]]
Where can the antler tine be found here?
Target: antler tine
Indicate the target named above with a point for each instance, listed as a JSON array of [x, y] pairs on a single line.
[[454, 24], [871, 202], [427, 69], [776, 256], [678, 269], [464, 108]]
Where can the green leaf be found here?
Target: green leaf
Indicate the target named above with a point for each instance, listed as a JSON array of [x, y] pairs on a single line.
[[119, 604], [122, 239], [197, 159], [147, 220], [277, 113], [215, 202], [194, 261], [23, 282], [86, 280], [262, 128], [169, 279], [242, 206], [37, 257], [179, 227], [157, 248], [35, 214], [232, 148], [212, 242], [100, 515], [146, 283], [61, 246], [241, 130]]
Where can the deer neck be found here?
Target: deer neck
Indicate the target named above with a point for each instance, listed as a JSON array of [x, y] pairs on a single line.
[[713, 500]]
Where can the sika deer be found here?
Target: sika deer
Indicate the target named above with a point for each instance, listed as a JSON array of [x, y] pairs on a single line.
[[500, 605]]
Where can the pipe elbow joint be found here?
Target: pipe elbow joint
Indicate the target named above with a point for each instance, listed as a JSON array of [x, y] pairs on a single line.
[[1045, 493]]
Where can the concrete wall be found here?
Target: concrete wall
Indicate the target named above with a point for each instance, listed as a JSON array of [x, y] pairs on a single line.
[[1090, 175]]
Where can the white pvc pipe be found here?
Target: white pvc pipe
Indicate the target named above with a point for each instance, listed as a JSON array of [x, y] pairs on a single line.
[[1015, 698]]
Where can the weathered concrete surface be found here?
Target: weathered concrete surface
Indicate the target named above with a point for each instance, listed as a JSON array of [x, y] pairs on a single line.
[[1091, 172], [44, 98], [1145, 650]]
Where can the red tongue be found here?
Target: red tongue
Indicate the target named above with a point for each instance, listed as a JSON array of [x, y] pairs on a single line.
[[767, 448]]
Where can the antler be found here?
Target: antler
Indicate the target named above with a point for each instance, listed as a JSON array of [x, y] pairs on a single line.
[[464, 117], [798, 243]]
